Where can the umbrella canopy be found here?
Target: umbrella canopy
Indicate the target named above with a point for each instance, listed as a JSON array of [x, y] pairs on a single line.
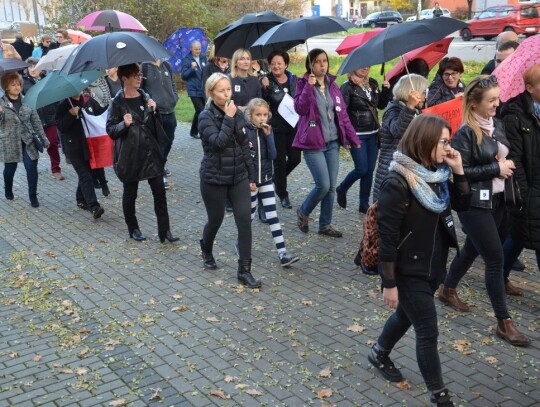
[[78, 36], [297, 31], [114, 49], [353, 41], [178, 44], [11, 65], [398, 39], [510, 72], [55, 58], [431, 53], [110, 20], [243, 32], [58, 86]]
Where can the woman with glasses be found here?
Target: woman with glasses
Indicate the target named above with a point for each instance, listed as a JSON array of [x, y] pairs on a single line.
[[447, 84], [416, 229], [484, 149]]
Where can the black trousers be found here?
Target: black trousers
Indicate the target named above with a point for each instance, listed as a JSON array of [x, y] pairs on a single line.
[[86, 193], [239, 195], [287, 159], [160, 204], [198, 104]]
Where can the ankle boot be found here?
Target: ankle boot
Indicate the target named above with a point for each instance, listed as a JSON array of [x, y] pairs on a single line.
[[208, 258], [244, 274], [449, 297], [441, 399], [512, 289], [507, 330]]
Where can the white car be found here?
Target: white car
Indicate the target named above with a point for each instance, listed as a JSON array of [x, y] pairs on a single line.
[[428, 13]]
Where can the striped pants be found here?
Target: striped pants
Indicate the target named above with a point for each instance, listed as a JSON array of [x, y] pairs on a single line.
[[267, 195]]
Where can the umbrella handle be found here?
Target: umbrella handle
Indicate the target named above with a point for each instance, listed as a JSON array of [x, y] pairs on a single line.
[[408, 74]]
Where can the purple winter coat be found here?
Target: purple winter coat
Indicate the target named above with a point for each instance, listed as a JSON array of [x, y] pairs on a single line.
[[305, 104]]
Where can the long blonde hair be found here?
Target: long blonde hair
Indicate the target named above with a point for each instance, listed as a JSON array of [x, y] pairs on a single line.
[[236, 56], [473, 95]]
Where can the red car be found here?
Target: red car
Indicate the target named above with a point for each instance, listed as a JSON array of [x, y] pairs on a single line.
[[522, 18]]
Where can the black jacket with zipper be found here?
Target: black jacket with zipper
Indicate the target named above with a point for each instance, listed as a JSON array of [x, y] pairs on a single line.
[[263, 151], [274, 94], [411, 238], [480, 161]]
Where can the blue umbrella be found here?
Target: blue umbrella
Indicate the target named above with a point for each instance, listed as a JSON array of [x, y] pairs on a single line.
[[178, 44], [57, 86]]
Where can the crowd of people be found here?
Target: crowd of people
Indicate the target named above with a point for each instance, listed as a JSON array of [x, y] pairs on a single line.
[[487, 172]]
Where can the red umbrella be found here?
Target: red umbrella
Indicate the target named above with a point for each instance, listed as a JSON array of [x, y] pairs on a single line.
[[78, 36], [350, 42], [431, 53], [110, 20], [510, 72]]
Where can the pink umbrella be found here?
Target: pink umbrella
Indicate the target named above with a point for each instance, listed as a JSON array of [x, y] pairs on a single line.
[[353, 41], [110, 20], [431, 53], [78, 36], [510, 72]]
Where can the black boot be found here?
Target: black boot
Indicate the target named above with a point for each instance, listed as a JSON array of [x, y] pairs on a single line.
[[167, 235], [105, 189], [208, 258], [244, 274], [8, 188], [441, 399]]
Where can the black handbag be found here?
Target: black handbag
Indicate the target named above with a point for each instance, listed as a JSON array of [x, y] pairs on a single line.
[[512, 195], [37, 142]]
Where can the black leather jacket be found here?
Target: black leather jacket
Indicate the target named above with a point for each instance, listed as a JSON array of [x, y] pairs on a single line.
[[274, 94], [479, 161]]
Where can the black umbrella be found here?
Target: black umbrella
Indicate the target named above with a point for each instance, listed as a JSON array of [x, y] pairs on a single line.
[[243, 32], [114, 49], [297, 31], [11, 65], [398, 39]]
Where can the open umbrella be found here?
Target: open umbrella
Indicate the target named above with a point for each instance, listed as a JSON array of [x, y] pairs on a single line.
[[178, 44], [431, 53], [58, 86], [243, 32], [399, 39], [353, 41], [55, 58], [510, 72], [11, 65], [297, 31], [78, 36], [114, 49], [110, 20]]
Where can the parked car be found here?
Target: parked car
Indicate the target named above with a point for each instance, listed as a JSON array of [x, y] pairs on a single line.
[[522, 18], [380, 19], [428, 13]]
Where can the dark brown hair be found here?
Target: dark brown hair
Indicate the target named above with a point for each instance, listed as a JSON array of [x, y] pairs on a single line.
[[453, 63], [312, 56], [282, 54], [9, 77], [128, 70]]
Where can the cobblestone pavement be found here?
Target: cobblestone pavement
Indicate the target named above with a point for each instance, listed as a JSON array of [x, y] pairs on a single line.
[[92, 318]]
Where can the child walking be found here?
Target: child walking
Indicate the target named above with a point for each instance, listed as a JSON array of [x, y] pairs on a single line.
[[263, 151]]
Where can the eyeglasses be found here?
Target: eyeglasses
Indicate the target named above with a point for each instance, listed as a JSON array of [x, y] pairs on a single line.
[[136, 75], [445, 143], [486, 82], [447, 75]]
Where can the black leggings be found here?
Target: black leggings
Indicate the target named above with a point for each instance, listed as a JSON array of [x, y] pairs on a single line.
[[239, 195]]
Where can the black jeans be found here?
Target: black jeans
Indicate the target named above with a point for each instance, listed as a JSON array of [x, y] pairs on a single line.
[[417, 308], [482, 229], [287, 159], [239, 195], [98, 176], [86, 193], [198, 104], [31, 174], [160, 204]]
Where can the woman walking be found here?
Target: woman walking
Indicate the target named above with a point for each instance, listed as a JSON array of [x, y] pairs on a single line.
[[414, 217], [226, 172], [17, 123], [484, 148]]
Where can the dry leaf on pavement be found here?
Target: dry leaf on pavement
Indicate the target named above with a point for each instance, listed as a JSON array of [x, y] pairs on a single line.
[[404, 385], [325, 373], [253, 392], [118, 403], [228, 378], [212, 319], [37, 358], [491, 360], [219, 393], [324, 393], [181, 308], [356, 328]]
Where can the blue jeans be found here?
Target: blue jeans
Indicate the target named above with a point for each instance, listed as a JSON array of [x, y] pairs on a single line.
[[364, 159], [31, 174], [324, 167], [169, 125], [511, 250]]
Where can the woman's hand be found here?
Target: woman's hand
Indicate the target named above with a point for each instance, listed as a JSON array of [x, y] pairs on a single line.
[[457, 95], [128, 119], [453, 160], [385, 84], [390, 297], [415, 99], [312, 79], [252, 186], [152, 104], [265, 82], [230, 108], [74, 111], [506, 168]]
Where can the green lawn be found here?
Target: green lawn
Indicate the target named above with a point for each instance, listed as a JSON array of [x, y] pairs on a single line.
[[185, 111]]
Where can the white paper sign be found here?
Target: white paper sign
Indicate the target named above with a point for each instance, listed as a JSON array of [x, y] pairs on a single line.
[[286, 110]]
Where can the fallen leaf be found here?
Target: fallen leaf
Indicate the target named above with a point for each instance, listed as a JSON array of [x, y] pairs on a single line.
[[404, 385], [125, 324], [118, 403], [83, 352], [65, 370], [37, 358], [486, 340], [325, 373], [212, 319], [239, 289], [491, 360], [137, 260], [152, 301], [180, 278], [241, 386], [81, 371], [13, 355], [67, 303], [181, 308], [177, 296], [218, 282], [307, 303], [229, 379], [461, 345], [156, 394], [478, 394], [259, 308], [324, 393], [219, 393], [111, 344], [87, 286], [372, 294], [356, 328], [84, 331], [253, 392]]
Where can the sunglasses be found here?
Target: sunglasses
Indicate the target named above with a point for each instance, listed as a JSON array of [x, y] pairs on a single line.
[[486, 82]]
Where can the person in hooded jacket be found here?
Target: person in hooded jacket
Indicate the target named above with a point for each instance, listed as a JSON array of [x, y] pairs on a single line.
[[134, 125]]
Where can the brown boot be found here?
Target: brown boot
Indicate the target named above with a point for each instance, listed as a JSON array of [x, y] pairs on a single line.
[[449, 297], [507, 330], [513, 290]]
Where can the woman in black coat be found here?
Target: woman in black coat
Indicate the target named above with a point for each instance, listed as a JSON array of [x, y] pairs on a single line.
[[416, 229], [134, 126]]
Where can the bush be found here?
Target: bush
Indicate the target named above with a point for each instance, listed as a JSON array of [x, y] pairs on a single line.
[[460, 13]]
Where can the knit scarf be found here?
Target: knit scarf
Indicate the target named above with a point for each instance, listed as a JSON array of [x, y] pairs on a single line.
[[418, 177], [485, 124]]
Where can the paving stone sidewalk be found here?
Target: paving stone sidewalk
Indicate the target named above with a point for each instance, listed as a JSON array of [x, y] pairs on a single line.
[[90, 317]]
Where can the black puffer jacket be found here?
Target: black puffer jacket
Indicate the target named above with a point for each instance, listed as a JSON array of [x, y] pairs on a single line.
[[227, 159], [395, 121], [523, 132], [274, 94], [439, 93], [479, 161], [137, 152], [263, 151], [362, 111]]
